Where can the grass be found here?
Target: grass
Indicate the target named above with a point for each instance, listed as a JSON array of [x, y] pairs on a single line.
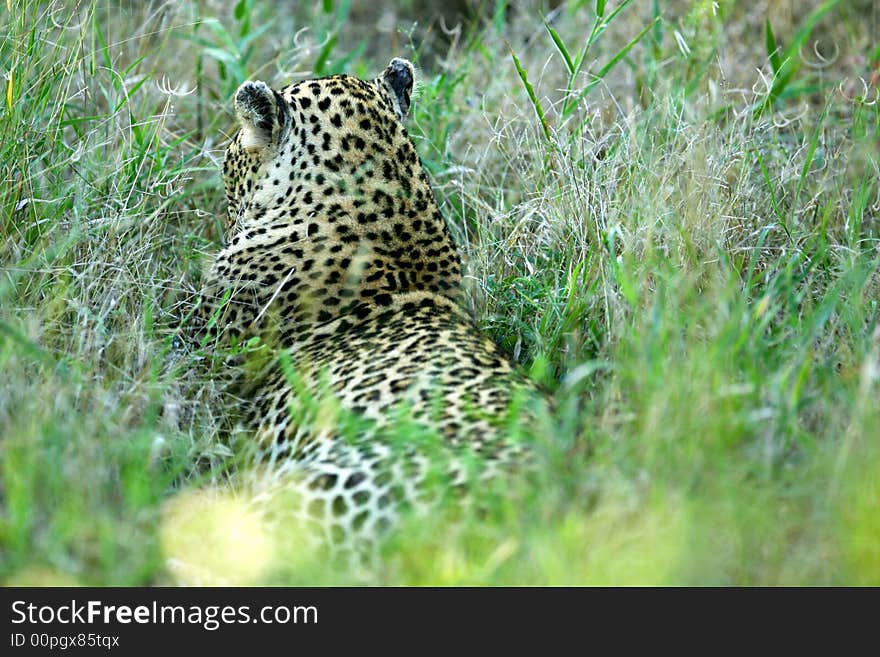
[[674, 225]]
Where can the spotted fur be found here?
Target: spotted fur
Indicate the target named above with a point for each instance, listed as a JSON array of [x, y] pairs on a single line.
[[338, 255]]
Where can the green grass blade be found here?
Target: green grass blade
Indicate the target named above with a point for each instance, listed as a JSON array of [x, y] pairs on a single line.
[[560, 46], [605, 22], [808, 160], [499, 15], [598, 28], [772, 48], [536, 104], [239, 10], [803, 34], [772, 189], [597, 78], [788, 62], [27, 346], [324, 55], [102, 44]]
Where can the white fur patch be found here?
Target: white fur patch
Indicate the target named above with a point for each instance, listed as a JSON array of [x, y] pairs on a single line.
[[253, 138]]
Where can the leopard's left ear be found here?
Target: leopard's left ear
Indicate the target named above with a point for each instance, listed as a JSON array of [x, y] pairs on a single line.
[[262, 114], [398, 78]]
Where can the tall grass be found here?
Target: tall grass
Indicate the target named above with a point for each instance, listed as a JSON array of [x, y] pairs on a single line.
[[682, 247]]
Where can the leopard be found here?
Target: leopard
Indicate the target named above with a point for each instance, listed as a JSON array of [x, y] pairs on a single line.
[[340, 262]]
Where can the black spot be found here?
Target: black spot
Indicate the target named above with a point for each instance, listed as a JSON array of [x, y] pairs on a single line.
[[327, 481], [360, 519]]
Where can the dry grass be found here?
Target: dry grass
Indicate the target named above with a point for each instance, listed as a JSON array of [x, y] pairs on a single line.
[[698, 284]]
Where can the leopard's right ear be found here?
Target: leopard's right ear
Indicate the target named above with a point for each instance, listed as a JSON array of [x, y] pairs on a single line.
[[262, 114], [398, 78]]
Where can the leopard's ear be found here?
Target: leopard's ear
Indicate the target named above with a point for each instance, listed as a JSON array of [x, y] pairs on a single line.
[[262, 114], [398, 78]]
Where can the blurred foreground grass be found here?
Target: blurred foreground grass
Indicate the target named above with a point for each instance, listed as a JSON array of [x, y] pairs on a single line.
[[670, 213]]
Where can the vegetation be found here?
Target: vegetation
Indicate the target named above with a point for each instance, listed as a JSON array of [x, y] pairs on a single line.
[[670, 213]]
